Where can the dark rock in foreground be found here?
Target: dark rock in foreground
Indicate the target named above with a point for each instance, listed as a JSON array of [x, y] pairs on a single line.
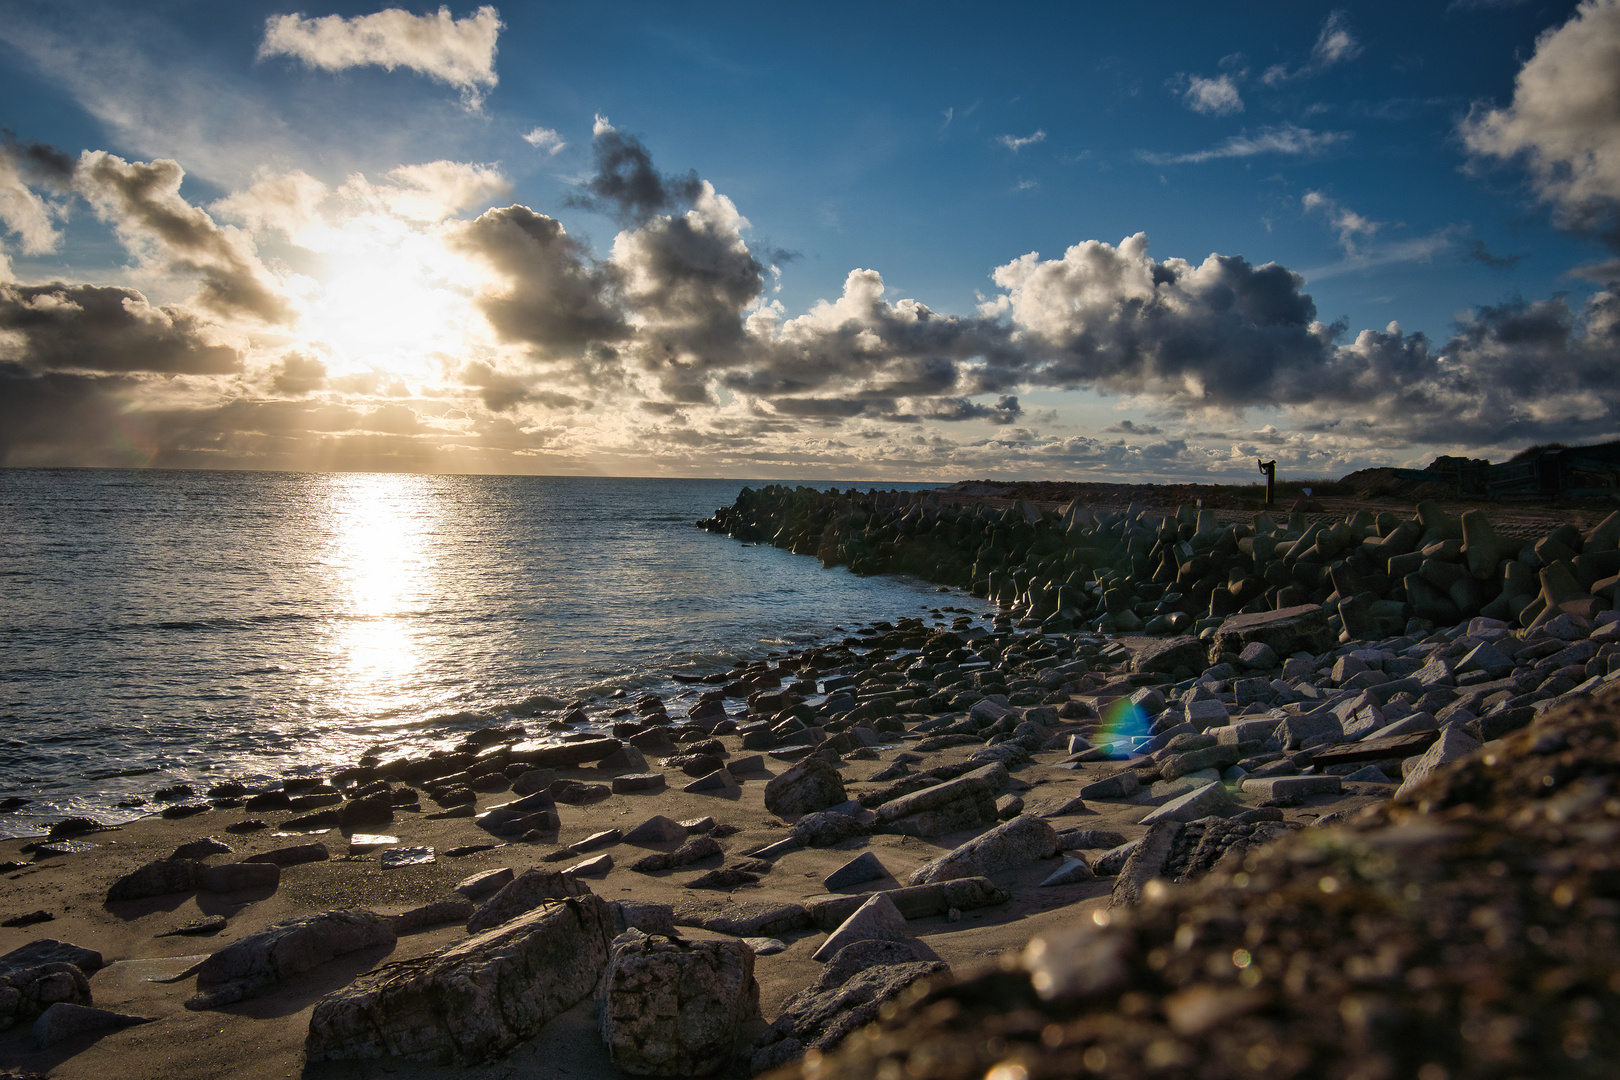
[[1470, 931]]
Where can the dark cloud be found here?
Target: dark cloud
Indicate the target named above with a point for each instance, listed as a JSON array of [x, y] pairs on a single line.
[[105, 328], [627, 185], [39, 162], [142, 201], [501, 391], [1127, 427], [298, 374], [1479, 253], [559, 300]]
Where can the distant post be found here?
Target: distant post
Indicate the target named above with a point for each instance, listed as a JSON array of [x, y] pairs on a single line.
[[1270, 469]]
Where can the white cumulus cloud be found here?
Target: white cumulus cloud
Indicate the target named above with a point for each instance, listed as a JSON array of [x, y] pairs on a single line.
[[459, 52], [1213, 97], [547, 140], [1564, 122]]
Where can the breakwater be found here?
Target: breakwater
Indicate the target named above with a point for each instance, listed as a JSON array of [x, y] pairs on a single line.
[[1184, 571]]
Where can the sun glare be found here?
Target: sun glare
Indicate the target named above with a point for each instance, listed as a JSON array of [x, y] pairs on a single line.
[[393, 299]]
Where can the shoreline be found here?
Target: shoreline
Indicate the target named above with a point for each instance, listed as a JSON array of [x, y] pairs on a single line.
[[1121, 762]]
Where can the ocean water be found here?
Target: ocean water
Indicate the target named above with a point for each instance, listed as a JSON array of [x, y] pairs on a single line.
[[160, 627]]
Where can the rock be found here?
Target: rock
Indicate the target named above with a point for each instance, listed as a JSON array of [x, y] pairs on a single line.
[[966, 802], [28, 990], [1302, 628], [1452, 745], [201, 849], [819, 1019], [1291, 787], [484, 883], [656, 830], [1165, 655], [765, 946], [1206, 800], [858, 871], [633, 783], [876, 918], [1144, 862], [748, 919], [813, 784], [434, 914], [857, 956], [627, 758], [64, 1020], [916, 901], [1089, 839], [293, 855], [1487, 658], [1122, 785], [1015, 843], [1259, 656], [239, 877], [375, 809], [1073, 870], [673, 1008], [694, 850], [50, 951], [720, 780], [475, 1000], [524, 893], [828, 827], [243, 968], [597, 867], [531, 781], [161, 878]]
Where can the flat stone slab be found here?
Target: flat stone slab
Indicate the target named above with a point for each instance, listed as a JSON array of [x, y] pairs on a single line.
[[1289, 630], [1207, 800], [1288, 787]]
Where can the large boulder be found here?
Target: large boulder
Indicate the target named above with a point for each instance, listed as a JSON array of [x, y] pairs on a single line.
[[674, 1008], [524, 893], [820, 1016], [967, 802], [1016, 843], [475, 1000], [1165, 655], [243, 968], [28, 990], [1288, 630], [161, 878], [65, 1020], [813, 784]]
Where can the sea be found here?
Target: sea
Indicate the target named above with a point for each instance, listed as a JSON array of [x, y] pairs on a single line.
[[161, 627]]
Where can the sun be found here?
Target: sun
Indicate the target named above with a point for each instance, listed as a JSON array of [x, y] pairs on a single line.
[[392, 300]]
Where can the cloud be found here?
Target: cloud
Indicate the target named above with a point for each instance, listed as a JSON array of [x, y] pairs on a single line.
[[1346, 222], [298, 374], [434, 190], [1127, 427], [626, 185], [1564, 120], [1289, 139], [142, 201], [1213, 97], [546, 140], [553, 298], [457, 52], [1603, 273], [1016, 143], [90, 328], [1478, 252], [288, 204], [1335, 44]]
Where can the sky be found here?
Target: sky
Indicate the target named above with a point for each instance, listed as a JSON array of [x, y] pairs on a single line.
[[905, 240]]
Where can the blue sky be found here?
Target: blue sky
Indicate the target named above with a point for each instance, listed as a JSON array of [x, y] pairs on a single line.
[[906, 241]]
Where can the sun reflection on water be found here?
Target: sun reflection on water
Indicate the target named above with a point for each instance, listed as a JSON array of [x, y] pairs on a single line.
[[380, 525]]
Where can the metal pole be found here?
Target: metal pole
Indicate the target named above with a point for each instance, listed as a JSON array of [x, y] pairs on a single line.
[[1270, 469]]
